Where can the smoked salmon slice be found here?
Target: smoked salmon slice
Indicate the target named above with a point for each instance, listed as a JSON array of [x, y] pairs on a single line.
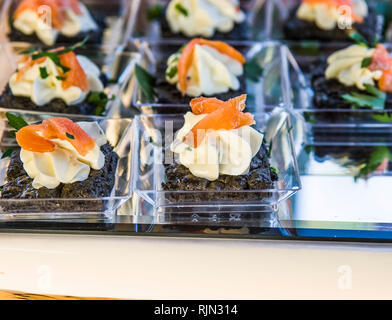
[[76, 75], [337, 4], [227, 117], [186, 57], [36, 138], [57, 8], [205, 105], [29, 139]]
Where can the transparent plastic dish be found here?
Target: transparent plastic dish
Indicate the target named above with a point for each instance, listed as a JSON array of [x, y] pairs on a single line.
[[117, 66], [299, 97], [148, 25], [118, 135], [265, 94], [273, 14], [116, 14], [152, 136]]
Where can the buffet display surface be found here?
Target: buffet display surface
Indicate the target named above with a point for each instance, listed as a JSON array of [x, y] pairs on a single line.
[[323, 162]]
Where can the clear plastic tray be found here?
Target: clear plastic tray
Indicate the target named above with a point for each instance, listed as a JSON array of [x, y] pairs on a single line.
[[300, 94], [118, 135], [117, 17], [152, 29], [263, 95], [149, 154], [117, 65], [272, 15]]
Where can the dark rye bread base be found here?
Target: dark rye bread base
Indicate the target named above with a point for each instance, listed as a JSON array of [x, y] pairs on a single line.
[[98, 184], [9, 101], [296, 29], [260, 176], [168, 93], [94, 36]]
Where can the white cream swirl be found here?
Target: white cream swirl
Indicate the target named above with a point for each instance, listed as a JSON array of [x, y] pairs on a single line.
[[327, 17], [227, 152], [211, 72], [203, 17], [29, 22], [42, 91], [346, 66], [65, 164]]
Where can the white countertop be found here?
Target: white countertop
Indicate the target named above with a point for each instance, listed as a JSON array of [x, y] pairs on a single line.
[[156, 268]]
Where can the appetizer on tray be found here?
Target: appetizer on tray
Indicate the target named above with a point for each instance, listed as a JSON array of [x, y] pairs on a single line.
[[56, 81], [218, 150], [59, 159], [333, 20], [362, 162], [54, 21], [200, 67], [357, 77], [217, 19]]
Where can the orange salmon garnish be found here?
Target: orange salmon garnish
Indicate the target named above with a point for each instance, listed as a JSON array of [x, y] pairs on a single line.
[[57, 9], [336, 4], [205, 105], [186, 57], [227, 117], [382, 60], [76, 76], [36, 138], [29, 139]]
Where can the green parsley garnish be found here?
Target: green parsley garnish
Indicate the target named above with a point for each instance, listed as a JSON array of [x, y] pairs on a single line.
[[54, 56], [383, 117], [172, 72], [146, 82], [70, 136], [366, 62], [274, 170], [61, 78], [180, 8], [16, 121], [7, 153], [100, 99], [43, 72], [359, 39], [154, 12], [375, 100], [376, 159], [252, 70]]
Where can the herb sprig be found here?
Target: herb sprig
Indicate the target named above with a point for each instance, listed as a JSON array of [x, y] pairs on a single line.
[[181, 9], [146, 82], [252, 70], [375, 99], [54, 55], [100, 99]]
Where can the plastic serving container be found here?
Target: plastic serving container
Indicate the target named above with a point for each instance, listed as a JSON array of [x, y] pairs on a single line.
[[116, 66], [264, 94], [118, 135], [152, 136]]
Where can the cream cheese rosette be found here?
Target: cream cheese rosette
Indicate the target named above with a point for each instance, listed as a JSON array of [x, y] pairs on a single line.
[[205, 67]]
